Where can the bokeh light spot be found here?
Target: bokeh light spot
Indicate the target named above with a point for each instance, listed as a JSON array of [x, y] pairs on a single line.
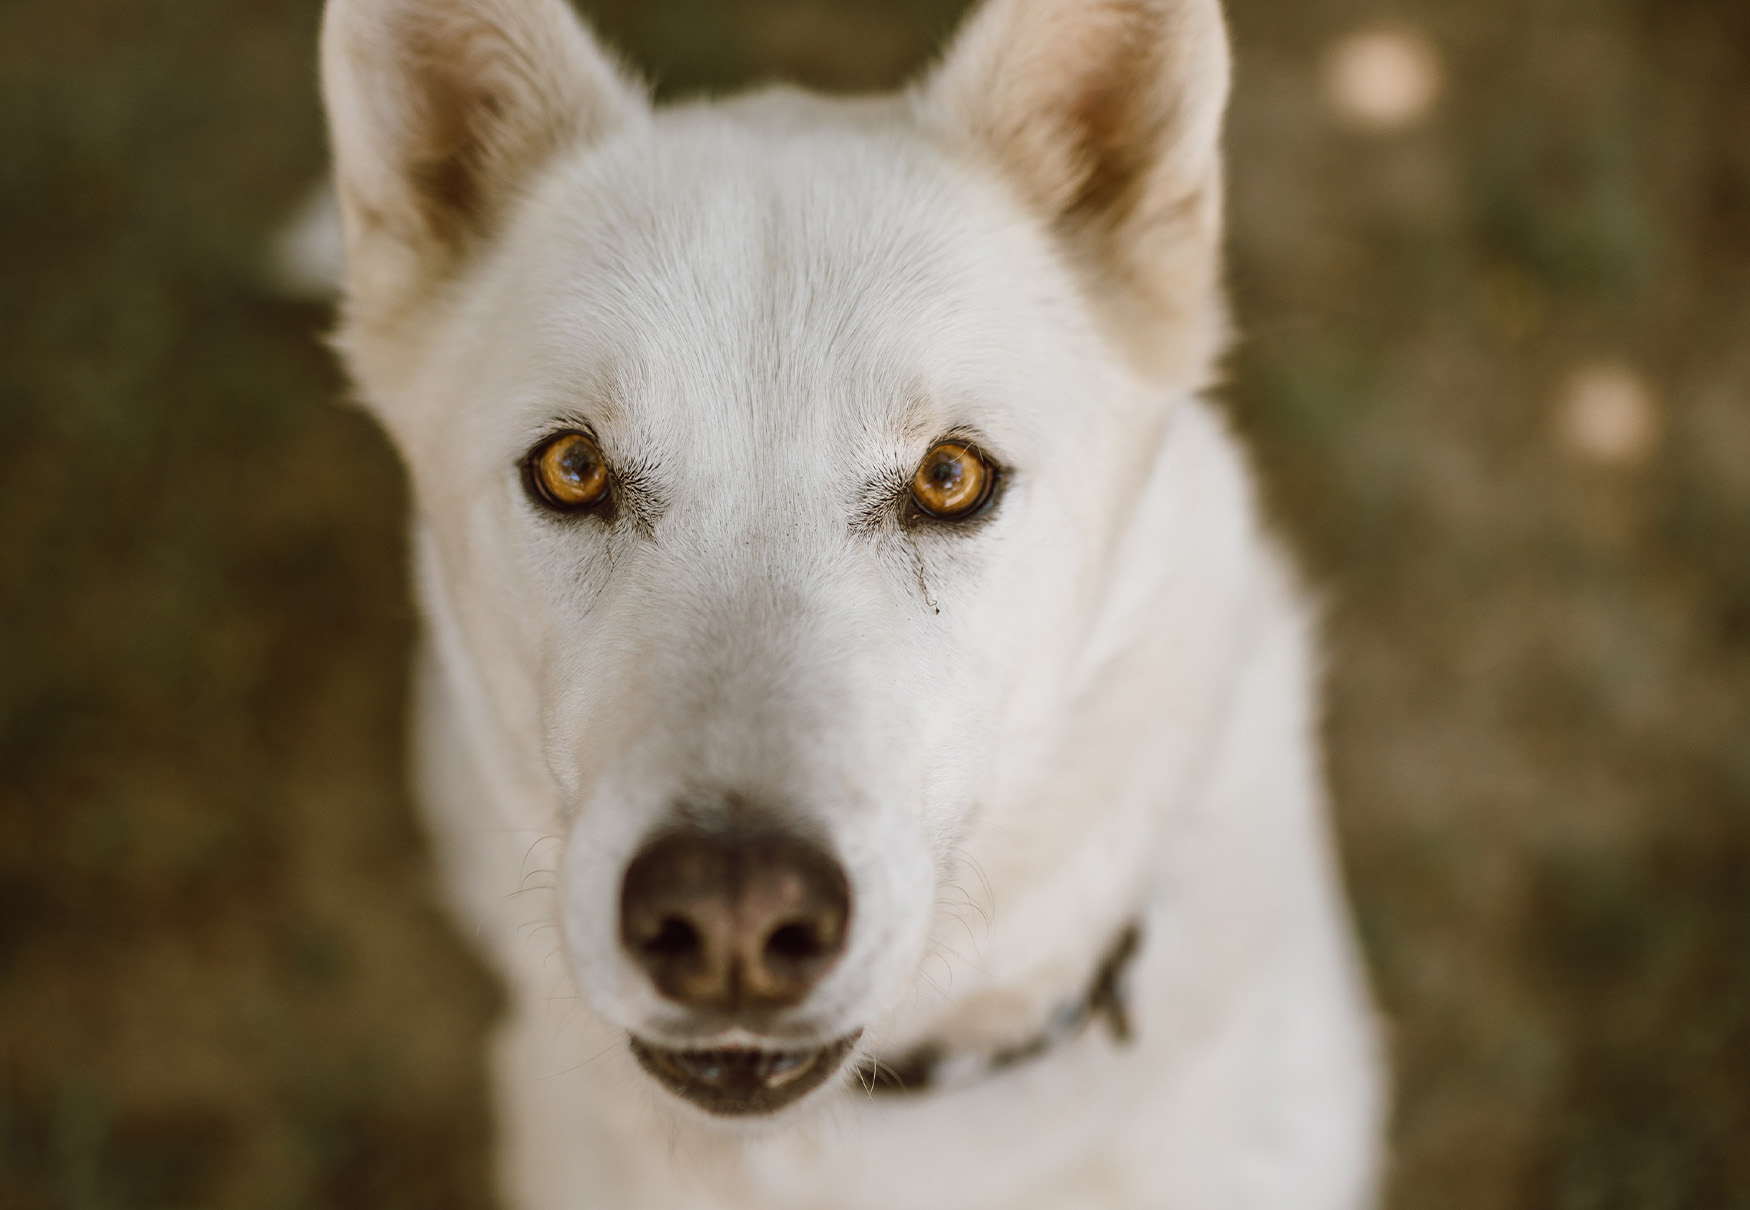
[[1382, 79], [1607, 415]]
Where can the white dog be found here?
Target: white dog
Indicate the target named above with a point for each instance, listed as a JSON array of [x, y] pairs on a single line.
[[848, 629]]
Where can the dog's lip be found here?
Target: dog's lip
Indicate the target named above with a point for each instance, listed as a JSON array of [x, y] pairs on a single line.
[[742, 1081]]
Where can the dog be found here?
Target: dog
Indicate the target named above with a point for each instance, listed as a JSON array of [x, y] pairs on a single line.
[[860, 715]]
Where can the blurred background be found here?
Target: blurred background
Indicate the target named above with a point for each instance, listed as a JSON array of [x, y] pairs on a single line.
[[1491, 261]]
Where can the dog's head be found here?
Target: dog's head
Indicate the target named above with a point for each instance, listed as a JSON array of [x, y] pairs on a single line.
[[771, 461]]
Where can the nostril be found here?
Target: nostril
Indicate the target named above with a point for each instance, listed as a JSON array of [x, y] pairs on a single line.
[[794, 941], [675, 938]]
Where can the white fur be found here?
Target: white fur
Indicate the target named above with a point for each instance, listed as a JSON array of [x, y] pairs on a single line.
[[1096, 704]]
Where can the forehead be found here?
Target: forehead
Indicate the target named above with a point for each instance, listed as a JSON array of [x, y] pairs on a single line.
[[763, 258]]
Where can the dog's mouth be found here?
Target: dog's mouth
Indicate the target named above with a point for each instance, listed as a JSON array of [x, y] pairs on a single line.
[[741, 1081]]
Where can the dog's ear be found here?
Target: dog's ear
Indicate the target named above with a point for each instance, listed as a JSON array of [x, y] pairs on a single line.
[[1106, 116], [439, 112]]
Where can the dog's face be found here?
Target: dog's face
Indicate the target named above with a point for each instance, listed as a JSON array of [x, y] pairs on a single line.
[[769, 459]]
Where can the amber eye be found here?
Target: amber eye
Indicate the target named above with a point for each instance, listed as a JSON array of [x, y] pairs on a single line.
[[567, 472], [953, 481]]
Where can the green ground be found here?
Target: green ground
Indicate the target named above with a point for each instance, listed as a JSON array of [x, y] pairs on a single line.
[[223, 981]]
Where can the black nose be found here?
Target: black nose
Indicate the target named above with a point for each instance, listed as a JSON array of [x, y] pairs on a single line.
[[729, 921]]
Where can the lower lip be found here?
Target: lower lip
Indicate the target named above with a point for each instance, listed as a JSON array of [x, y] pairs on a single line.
[[742, 1081]]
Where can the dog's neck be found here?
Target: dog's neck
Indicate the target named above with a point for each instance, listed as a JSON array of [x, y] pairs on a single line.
[[931, 1066]]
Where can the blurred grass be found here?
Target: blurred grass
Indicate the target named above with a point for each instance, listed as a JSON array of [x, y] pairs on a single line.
[[223, 979]]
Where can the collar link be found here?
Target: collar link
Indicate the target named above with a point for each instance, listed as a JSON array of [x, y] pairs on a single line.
[[931, 1066]]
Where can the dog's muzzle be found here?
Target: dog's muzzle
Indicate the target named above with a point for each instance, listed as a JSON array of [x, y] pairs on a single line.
[[736, 924], [743, 1081]]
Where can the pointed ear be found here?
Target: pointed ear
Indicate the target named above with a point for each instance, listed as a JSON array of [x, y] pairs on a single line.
[[439, 112], [1105, 115]]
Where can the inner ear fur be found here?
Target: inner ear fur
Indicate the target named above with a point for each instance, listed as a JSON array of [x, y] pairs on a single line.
[[439, 113], [1105, 116]]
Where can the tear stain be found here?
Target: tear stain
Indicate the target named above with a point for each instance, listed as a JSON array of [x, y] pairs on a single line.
[[917, 559]]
